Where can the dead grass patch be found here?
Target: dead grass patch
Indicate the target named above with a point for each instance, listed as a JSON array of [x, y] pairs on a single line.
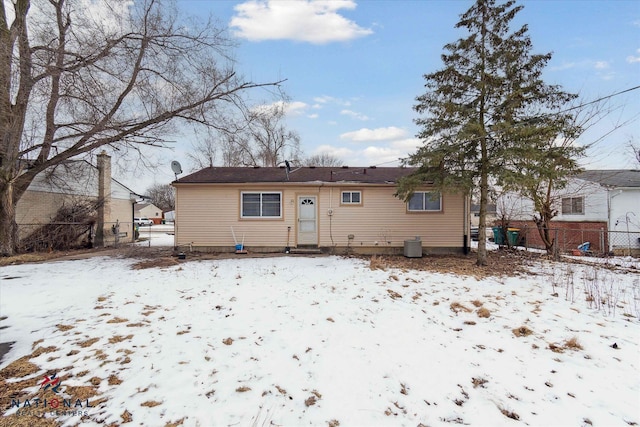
[[243, 389], [456, 307], [570, 344], [100, 355], [136, 325], [483, 312], [95, 381], [15, 420], [64, 328], [573, 344], [82, 392], [227, 341], [393, 294], [117, 320], [510, 414], [310, 401], [19, 368], [175, 423], [42, 350], [522, 331], [478, 382], [114, 380], [88, 343], [155, 263], [151, 403], [126, 417], [377, 263], [119, 338]]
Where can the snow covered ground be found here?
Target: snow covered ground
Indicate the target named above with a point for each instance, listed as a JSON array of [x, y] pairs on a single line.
[[293, 341]]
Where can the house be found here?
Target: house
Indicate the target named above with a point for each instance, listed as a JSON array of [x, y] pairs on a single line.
[[70, 183], [598, 206], [475, 214], [148, 210], [339, 209]]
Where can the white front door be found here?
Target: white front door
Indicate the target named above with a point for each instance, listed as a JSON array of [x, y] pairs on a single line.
[[307, 220]]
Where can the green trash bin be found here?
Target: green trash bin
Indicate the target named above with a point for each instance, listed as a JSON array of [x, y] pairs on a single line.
[[512, 235], [498, 236]]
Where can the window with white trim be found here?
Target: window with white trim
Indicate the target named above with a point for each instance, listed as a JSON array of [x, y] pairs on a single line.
[[573, 206], [351, 197], [425, 201], [261, 205]]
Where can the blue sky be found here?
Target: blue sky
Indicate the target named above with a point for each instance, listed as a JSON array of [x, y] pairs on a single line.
[[354, 68]]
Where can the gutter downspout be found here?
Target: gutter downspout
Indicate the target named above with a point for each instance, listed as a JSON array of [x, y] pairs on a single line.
[[466, 225]]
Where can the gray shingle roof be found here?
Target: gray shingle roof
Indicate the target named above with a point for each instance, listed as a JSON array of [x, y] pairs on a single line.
[[366, 175], [613, 177]]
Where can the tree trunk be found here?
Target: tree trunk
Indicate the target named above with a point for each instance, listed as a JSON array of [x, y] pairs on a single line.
[[8, 226]]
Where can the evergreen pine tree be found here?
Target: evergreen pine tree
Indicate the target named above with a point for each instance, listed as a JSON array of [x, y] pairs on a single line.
[[487, 102]]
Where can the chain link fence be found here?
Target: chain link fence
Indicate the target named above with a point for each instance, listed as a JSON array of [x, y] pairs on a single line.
[[598, 242], [73, 235]]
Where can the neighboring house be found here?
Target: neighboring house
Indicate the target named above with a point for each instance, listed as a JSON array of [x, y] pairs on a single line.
[[599, 206], [475, 214], [73, 181], [342, 209], [148, 210]]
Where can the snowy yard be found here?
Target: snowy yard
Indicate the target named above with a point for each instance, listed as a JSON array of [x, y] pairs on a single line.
[[330, 341]]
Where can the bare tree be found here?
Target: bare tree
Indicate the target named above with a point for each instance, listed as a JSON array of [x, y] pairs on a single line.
[[73, 80], [322, 160], [257, 138], [163, 196], [634, 149]]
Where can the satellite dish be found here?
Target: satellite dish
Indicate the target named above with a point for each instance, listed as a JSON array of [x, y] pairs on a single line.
[[175, 166], [177, 169]]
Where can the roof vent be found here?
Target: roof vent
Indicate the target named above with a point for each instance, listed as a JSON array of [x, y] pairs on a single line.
[[256, 167], [345, 167], [312, 167], [372, 167]]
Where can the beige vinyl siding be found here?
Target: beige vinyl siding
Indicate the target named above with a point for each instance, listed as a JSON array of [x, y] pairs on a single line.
[[205, 214], [383, 220]]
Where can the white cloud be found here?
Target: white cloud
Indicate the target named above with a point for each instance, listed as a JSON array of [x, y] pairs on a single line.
[[601, 65], [355, 115], [379, 134], [408, 146], [295, 108], [325, 99], [313, 21], [383, 155], [342, 153], [313, 116], [633, 59]]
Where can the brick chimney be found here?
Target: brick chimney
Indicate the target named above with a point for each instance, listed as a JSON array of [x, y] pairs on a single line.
[[104, 196]]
